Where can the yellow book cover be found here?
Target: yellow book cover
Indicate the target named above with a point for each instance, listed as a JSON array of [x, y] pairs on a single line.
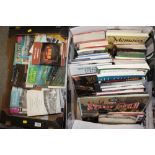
[[127, 39]]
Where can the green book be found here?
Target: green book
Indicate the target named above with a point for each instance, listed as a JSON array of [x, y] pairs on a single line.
[[131, 54]]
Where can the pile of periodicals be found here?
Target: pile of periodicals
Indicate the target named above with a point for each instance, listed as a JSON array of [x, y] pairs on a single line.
[[39, 75], [109, 73]]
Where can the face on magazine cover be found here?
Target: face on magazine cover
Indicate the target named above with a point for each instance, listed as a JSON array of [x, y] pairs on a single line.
[[48, 52]]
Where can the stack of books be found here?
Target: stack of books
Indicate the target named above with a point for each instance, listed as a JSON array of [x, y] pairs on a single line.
[[111, 92], [122, 78], [91, 51], [39, 75]]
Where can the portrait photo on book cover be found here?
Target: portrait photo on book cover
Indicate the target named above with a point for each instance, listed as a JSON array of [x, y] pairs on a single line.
[[50, 54]]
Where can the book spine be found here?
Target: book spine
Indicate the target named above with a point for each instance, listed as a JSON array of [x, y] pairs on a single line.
[[108, 78]]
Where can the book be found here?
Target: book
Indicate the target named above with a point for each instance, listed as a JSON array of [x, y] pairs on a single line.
[[43, 102], [85, 85], [119, 119], [55, 38], [91, 50], [19, 75], [93, 57], [107, 81], [117, 61], [18, 104], [76, 69], [112, 103], [92, 61], [57, 79], [125, 83], [91, 44], [46, 76], [22, 47], [128, 91], [123, 88], [119, 72], [121, 77], [141, 47], [40, 38], [129, 37], [46, 53], [79, 124], [130, 55], [89, 36], [37, 74], [140, 66]]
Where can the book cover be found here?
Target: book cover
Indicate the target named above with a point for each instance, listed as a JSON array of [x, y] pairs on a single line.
[[46, 53], [18, 101], [85, 85], [46, 76], [43, 102], [114, 103], [37, 75], [22, 47], [57, 78], [19, 75], [130, 37]]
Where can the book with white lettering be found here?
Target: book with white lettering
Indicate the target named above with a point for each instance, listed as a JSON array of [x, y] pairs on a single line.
[[112, 103], [76, 69]]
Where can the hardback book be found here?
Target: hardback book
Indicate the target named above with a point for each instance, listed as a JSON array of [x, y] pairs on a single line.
[[93, 57], [76, 69], [130, 55], [89, 36], [128, 87], [92, 50], [94, 61], [43, 102], [119, 72], [112, 103], [121, 77], [140, 66], [46, 53], [125, 83], [119, 119], [117, 61], [129, 37], [140, 47], [108, 81], [119, 92], [91, 44]]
